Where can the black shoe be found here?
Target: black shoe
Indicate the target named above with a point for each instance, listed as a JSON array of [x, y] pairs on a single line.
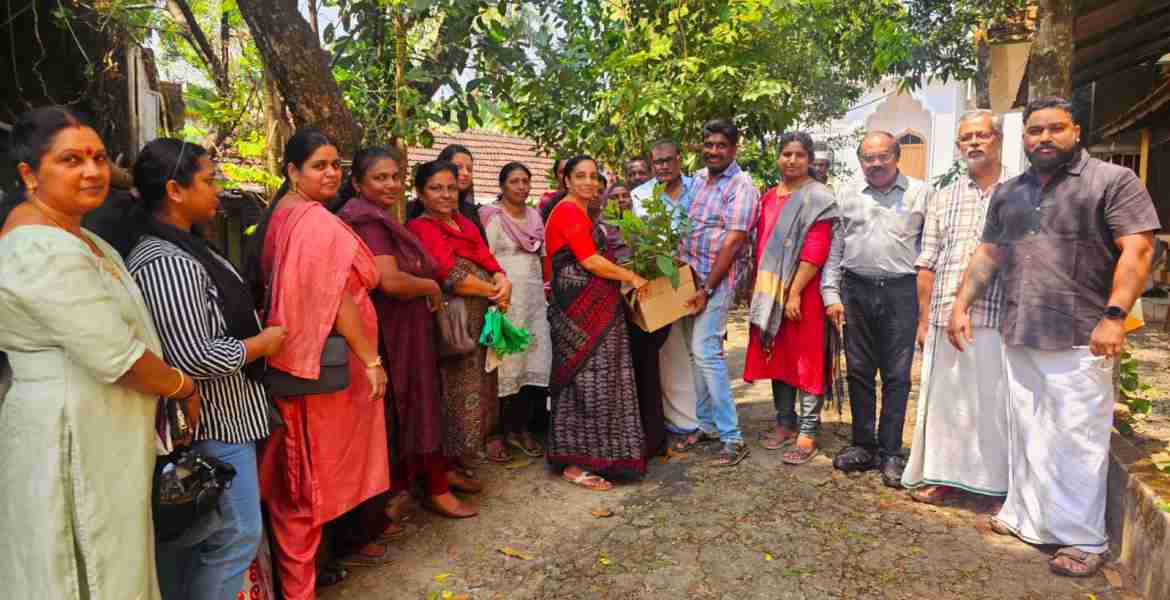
[[856, 459], [892, 467]]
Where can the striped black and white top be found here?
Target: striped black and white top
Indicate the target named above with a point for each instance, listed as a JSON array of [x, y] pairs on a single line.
[[183, 300]]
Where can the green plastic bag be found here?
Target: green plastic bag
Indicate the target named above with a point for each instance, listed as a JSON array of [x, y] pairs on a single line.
[[501, 335]]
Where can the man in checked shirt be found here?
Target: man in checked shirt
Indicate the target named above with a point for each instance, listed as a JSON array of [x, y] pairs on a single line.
[[960, 439]]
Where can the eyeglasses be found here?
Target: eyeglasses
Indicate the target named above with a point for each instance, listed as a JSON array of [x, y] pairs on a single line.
[[983, 136], [665, 161], [882, 158]]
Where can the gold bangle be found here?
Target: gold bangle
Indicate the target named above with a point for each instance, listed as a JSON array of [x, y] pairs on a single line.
[[377, 362], [182, 380]]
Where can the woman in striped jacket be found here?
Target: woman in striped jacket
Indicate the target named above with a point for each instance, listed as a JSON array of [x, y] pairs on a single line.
[[204, 314]]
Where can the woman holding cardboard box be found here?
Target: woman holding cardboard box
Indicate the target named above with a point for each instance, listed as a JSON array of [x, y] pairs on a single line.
[[595, 430]]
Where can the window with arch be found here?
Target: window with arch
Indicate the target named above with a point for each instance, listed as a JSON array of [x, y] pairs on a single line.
[[910, 138]]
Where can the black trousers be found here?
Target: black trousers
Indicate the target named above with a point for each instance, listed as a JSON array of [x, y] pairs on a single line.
[[881, 320], [644, 347]]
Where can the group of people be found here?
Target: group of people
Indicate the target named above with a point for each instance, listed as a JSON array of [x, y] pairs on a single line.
[[1016, 289]]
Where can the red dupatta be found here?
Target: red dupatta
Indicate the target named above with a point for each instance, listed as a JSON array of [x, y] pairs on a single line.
[[446, 244]]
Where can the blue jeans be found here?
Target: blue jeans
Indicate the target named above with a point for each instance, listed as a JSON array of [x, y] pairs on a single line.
[[214, 569], [714, 407]]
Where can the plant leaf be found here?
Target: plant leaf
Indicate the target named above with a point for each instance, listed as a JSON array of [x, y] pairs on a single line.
[[514, 553]]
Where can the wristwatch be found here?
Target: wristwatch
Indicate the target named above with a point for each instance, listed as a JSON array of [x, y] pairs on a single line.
[[1115, 312]]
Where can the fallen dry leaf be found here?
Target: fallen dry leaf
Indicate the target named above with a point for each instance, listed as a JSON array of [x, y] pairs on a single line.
[[601, 513], [514, 553], [441, 577], [1112, 576], [464, 596], [518, 464]]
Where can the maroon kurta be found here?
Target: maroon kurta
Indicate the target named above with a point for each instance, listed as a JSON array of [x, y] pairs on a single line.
[[408, 333], [798, 352]]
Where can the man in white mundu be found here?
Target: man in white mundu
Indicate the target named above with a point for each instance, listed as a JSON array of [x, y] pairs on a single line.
[[960, 436], [1071, 241], [674, 359]]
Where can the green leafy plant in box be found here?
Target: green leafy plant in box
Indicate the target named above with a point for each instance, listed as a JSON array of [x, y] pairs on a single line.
[[653, 238]]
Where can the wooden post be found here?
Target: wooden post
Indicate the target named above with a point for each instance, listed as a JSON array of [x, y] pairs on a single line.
[[1144, 165]]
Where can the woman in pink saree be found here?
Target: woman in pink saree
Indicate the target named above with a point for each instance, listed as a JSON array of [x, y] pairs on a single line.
[[331, 454]]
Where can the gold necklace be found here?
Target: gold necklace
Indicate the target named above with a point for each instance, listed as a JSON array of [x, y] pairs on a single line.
[[107, 266]]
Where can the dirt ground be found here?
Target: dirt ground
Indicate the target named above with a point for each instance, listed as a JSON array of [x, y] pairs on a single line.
[[691, 530]]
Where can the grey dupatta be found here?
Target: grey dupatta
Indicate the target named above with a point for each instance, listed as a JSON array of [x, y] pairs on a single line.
[[811, 203]]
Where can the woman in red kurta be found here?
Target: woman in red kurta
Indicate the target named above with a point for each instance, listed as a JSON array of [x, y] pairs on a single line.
[[465, 267], [796, 360], [331, 454]]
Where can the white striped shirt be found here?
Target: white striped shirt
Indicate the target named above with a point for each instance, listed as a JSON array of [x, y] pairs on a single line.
[[183, 300]]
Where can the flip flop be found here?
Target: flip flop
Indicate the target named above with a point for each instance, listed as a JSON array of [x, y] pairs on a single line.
[[531, 452], [1088, 562], [585, 477], [798, 456]]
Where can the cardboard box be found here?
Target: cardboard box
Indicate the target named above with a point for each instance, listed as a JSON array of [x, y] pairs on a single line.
[[662, 303]]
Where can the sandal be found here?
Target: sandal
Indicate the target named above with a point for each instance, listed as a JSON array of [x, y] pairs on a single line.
[[931, 494], [998, 527], [393, 532], [770, 440], [732, 454], [1082, 564], [589, 481], [534, 451], [693, 440], [798, 456], [357, 559], [500, 455]]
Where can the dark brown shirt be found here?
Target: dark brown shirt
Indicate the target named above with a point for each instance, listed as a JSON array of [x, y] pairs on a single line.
[[1057, 248]]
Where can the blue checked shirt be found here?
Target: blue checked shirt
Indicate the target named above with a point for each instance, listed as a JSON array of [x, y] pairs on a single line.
[[729, 202]]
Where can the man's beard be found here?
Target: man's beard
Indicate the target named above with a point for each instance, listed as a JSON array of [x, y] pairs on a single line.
[[1053, 162]]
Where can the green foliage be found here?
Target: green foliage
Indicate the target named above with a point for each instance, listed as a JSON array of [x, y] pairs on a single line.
[[957, 170], [654, 238], [434, 40], [1134, 393]]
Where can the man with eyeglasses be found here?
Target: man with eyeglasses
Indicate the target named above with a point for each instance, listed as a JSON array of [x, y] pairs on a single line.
[[675, 370], [1071, 240], [960, 435], [869, 284]]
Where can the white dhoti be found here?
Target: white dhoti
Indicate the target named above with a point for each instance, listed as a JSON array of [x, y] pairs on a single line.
[[961, 433], [678, 383], [1060, 414]]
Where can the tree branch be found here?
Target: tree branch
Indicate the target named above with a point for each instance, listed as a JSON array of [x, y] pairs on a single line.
[[181, 12]]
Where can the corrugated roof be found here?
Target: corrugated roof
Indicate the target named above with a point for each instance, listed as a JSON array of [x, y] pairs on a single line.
[[491, 152]]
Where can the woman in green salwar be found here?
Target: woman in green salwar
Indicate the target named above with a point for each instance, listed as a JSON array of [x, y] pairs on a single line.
[[77, 425]]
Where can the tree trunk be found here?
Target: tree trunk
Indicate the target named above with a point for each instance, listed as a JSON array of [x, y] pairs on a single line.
[[1050, 62], [399, 107], [292, 54], [275, 127], [983, 72]]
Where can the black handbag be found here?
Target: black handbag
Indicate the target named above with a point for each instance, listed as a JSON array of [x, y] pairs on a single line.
[[186, 490], [334, 374]]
